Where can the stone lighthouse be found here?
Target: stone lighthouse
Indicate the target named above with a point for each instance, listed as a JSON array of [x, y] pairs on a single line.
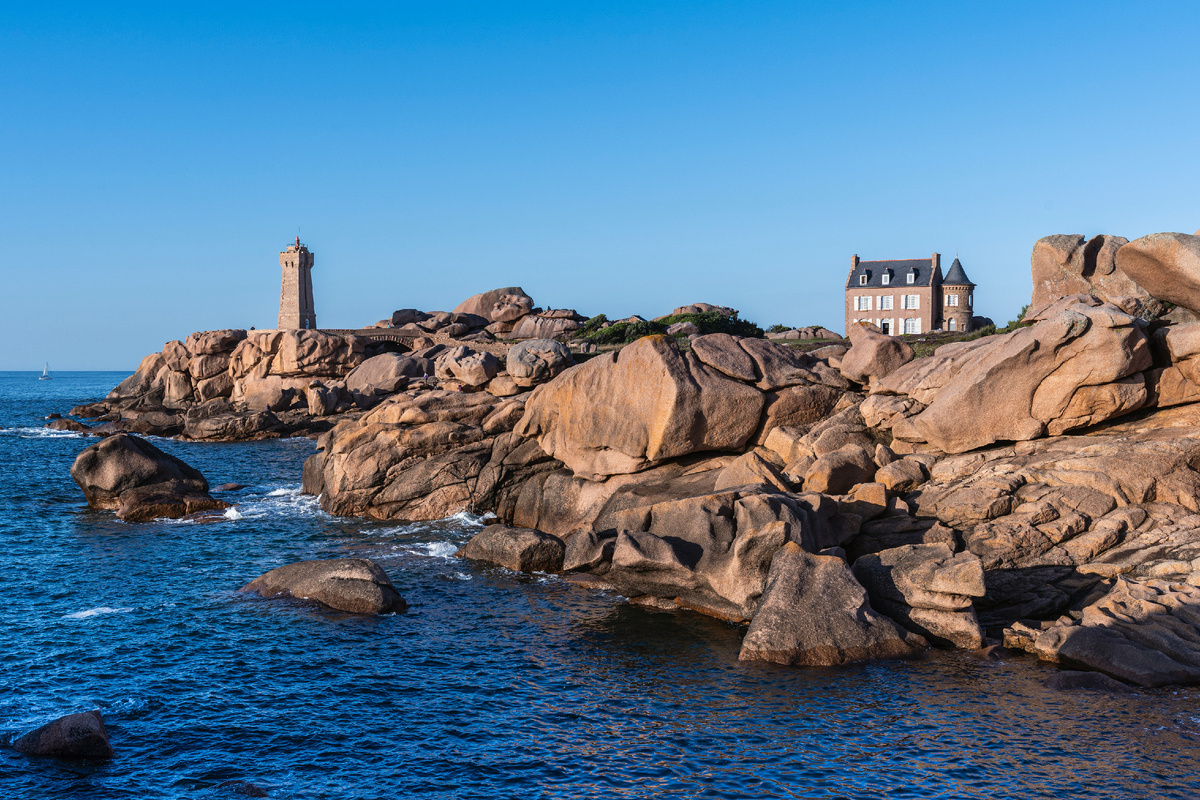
[[295, 292]]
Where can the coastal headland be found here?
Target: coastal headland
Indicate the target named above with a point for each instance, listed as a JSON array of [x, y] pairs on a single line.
[[846, 499]]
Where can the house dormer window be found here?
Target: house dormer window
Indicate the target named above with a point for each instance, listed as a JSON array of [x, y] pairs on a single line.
[[912, 276], [862, 280], [886, 277]]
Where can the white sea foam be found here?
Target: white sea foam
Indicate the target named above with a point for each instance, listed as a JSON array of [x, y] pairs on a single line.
[[233, 513], [41, 433], [432, 549], [460, 576], [466, 518], [96, 612], [287, 500]]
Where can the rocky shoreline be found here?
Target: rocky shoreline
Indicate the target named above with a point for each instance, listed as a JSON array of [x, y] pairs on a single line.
[[1039, 488]]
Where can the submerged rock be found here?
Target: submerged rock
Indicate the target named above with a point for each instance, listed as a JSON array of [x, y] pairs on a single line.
[[140, 482], [1071, 680], [73, 736], [355, 585]]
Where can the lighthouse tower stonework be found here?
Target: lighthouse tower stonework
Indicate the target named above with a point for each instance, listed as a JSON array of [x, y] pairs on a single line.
[[295, 292]]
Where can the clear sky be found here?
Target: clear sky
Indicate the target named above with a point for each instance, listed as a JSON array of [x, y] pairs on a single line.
[[615, 157]]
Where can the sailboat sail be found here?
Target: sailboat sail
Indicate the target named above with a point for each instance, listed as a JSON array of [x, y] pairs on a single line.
[[45, 376]]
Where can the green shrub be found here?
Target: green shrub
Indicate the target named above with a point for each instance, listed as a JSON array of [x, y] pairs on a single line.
[[591, 326], [624, 332], [777, 328], [712, 322]]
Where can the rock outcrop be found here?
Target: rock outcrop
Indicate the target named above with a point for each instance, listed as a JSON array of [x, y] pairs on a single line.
[[536, 361], [518, 549], [1079, 366], [1068, 264], [873, 354], [354, 585], [140, 482], [624, 412], [1167, 265], [425, 455], [927, 588], [1140, 631], [75, 736], [846, 503], [815, 614], [498, 305]]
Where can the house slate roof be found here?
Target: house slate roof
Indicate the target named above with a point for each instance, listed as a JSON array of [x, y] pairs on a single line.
[[875, 270], [957, 276]]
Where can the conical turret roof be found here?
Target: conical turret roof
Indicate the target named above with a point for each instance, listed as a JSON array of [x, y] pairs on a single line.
[[957, 276]]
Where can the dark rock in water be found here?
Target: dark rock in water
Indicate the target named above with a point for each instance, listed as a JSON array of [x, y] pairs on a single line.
[[139, 481], [312, 479], [53, 416], [73, 736], [170, 500], [230, 487], [993, 652], [520, 549], [243, 788], [60, 424], [89, 410], [1067, 680], [150, 423], [356, 585], [814, 613]]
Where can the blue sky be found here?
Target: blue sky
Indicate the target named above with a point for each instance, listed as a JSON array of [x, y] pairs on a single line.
[[610, 157]]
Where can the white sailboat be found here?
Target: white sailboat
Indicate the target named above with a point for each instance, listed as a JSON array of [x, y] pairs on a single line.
[[45, 376]]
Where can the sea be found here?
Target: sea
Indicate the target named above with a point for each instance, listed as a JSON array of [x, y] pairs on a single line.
[[492, 684]]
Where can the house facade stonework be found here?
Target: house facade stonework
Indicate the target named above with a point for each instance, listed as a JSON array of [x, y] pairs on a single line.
[[909, 295]]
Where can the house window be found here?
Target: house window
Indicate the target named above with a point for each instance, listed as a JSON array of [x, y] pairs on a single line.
[[885, 303], [950, 324], [968, 301], [862, 280], [886, 277], [912, 326], [862, 304], [912, 276], [912, 301], [951, 299]]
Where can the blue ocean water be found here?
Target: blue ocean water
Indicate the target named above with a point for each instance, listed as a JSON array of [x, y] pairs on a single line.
[[492, 685]]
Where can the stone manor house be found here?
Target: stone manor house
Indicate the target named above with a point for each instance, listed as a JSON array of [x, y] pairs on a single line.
[[909, 296]]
